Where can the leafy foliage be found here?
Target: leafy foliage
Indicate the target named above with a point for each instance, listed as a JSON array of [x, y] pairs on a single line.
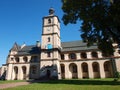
[[117, 76], [100, 21]]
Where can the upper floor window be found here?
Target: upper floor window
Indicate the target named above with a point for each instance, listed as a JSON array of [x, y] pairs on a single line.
[[94, 54], [95, 66], [17, 59], [48, 39], [12, 59], [72, 56], [62, 56], [49, 20], [83, 55], [25, 59]]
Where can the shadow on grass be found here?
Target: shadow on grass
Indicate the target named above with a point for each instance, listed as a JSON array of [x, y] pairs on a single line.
[[79, 82]]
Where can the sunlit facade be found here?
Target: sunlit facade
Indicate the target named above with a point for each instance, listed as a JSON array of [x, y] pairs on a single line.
[[53, 59]]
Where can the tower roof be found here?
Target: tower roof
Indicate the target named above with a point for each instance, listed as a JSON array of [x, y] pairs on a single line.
[[51, 11], [15, 47]]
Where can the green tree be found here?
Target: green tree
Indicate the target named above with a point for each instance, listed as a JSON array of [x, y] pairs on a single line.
[[100, 21]]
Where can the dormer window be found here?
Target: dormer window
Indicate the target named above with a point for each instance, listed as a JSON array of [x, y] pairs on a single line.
[[49, 20]]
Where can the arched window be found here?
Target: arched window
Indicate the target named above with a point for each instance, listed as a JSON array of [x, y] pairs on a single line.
[[73, 68], [94, 54], [12, 59], [24, 72], [95, 66], [49, 20], [72, 56], [24, 69], [16, 70], [107, 66], [48, 39], [17, 59], [62, 68], [62, 56], [84, 67], [108, 69], [83, 55], [25, 59]]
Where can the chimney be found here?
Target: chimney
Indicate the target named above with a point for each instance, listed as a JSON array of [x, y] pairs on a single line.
[[23, 45]]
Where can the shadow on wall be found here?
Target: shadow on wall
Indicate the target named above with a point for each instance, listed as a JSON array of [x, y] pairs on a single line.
[[3, 76], [49, 73]]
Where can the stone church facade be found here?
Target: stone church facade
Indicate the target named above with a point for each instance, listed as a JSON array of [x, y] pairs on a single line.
[[53, 59]]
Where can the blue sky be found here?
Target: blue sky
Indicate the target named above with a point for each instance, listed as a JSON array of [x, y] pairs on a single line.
[[21, 21]]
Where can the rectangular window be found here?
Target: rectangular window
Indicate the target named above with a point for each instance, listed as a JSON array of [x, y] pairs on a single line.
[[48, 54], [48, 39]]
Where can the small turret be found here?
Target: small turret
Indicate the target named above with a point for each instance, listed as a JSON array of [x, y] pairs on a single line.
[[38, 43]]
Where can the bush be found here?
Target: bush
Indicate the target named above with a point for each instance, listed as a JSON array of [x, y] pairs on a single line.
[[117, 76]]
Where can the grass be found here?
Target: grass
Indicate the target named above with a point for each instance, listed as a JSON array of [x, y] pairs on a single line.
[[10, 81], [83, 84]]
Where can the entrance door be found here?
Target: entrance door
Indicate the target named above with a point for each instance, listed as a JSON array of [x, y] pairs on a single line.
[[48, 73]]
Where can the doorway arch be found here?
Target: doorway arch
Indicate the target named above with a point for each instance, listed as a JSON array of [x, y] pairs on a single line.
[[96, 70], [73, 70], [84, 70], [108, 69], [24, 72], [16, 73], [62, 70]]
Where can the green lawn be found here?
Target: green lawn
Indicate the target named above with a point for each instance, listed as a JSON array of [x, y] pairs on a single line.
[[84, 84], [10, 81]]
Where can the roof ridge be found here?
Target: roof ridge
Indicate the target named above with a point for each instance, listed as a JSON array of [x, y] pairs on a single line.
[[73, 41]]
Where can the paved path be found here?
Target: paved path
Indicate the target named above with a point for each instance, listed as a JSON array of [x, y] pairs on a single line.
[[9, 85]]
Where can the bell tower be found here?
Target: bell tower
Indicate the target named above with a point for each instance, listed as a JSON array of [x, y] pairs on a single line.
[[50, 46]]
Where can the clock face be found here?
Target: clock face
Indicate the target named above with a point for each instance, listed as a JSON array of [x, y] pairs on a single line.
[[49, 46]]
